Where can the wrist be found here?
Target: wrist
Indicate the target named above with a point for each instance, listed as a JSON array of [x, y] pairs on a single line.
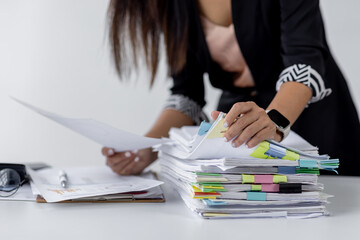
[[278, 136], [281, 122]]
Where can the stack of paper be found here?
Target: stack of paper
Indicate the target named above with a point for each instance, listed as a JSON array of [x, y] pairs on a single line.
[[270, 180], [94, 184]]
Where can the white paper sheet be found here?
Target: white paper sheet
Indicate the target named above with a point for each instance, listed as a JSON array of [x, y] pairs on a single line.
[[87, 182], [99, 132]]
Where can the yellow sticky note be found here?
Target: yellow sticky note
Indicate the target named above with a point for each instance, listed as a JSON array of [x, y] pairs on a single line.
[[215, 214], [214, 187], [218, 131], [204, 197], [279, 179], [290, 155], [196, 189], [256, 187], [260, 151], [248, 178]]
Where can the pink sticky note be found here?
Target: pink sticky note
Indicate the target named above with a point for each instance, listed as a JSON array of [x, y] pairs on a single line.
[[263, 178], [270, 187]]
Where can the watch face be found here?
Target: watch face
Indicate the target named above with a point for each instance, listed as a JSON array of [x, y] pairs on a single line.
[[278, 118]]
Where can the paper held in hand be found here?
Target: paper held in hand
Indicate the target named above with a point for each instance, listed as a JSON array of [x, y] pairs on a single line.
[[99, 132]]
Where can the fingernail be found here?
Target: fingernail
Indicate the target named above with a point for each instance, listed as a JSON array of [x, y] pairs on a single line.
[[136, 159], [233, 145], [127, 154], [110, 152], [225, 139], [247, 146], [226, 125], [135, 151]]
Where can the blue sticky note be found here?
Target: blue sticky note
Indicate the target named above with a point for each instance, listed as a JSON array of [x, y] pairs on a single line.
[[276, 151], [303, 163], [256, 196], [286, 170], [212, 203], [204, 128]]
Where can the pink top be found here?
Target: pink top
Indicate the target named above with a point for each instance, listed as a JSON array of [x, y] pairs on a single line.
[[224, 49]]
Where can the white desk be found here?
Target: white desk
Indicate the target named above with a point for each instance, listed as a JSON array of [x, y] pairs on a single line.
[[173, 220]]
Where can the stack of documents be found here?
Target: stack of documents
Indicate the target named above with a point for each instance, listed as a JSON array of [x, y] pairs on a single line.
[[94, 184], [270, 180]]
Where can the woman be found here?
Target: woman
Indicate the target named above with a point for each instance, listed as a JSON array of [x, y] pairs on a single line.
[[265, 55]]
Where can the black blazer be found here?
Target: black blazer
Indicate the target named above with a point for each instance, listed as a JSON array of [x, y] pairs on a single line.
[[273, 35]]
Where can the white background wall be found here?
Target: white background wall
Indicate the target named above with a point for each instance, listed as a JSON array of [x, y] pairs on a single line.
[[55, 55]]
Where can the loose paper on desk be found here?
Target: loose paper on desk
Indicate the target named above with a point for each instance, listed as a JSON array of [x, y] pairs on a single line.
[[99, 132], [87, 182]]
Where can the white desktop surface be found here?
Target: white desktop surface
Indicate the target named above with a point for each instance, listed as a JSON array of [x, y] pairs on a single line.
[[173, 220]]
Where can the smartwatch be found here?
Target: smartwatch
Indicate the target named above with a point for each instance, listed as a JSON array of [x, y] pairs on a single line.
[[282, 123]]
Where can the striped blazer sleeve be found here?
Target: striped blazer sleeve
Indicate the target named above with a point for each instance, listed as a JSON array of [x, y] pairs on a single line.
[[303, 46], [308, 76], [187, 106]]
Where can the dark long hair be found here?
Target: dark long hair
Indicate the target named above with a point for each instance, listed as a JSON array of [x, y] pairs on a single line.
[[143, 22]]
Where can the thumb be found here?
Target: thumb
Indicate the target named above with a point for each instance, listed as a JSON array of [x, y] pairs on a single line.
[[215, 114]]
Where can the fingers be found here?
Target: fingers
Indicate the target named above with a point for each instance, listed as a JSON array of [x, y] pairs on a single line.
[[107, 151], [238, 109], [134, 167], [214, 115], [118, 161], [253, 125], [128, 163], [119, 157], [119, 168], [248, 133], [240, 124]]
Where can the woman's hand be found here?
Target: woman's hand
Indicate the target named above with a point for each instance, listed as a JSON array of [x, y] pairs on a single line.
[[129, 163], [248, 123]]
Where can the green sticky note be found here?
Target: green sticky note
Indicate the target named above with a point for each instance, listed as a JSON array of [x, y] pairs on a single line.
[[211, 184], [279, 179], [308, 171], [290, 155], [213, 190], [208, 174], [256, 187], [248, 178], [260, 151]]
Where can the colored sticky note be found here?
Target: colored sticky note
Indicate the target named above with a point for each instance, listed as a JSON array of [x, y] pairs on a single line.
[[256, 196], [214, 203], [270, 187], [248, 178], [260, 150], [276, 151], [279, 178], [196, 189], [208, 174], [304, 163], [211, 184], [286, 170], [209, 214], [204, 128], [256, 187], [290, 155], [218, 130], [263, 178], [308, 171], [290, 188]]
